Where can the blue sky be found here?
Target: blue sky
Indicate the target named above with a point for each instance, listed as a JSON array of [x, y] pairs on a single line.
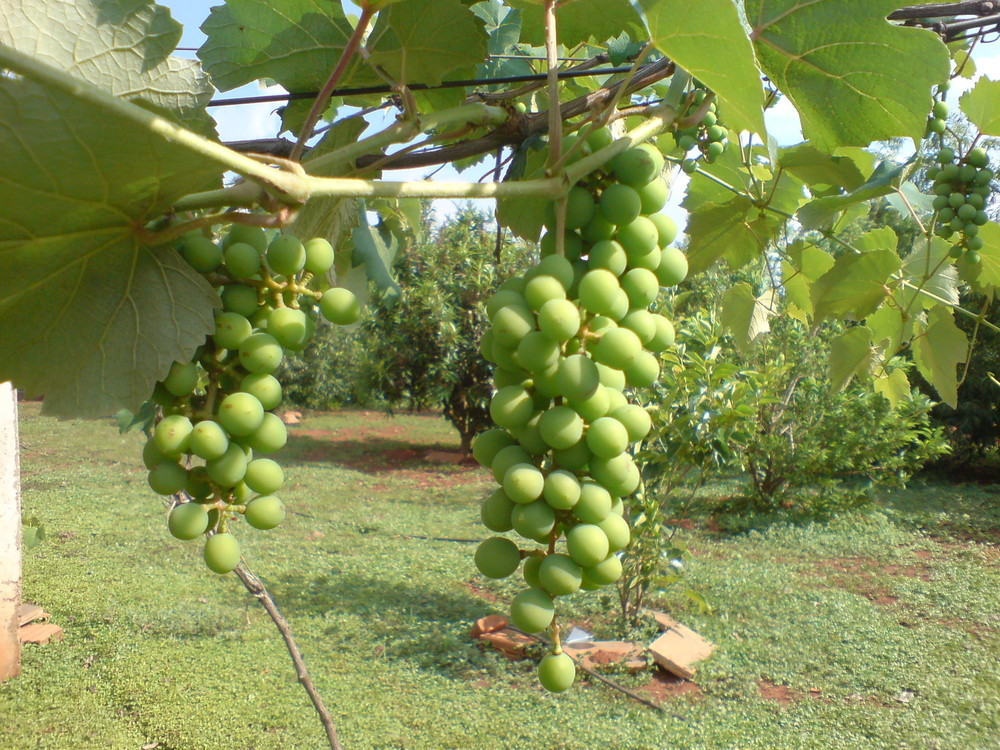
[[259, 121]]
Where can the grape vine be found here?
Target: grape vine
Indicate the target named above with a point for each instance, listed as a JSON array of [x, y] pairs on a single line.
[[568, 338]]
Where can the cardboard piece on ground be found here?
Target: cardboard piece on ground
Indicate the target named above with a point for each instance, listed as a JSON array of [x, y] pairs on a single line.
[[488, 624], [30, 612], [601, 653], [508, 642], [39, 632], [678, 649]]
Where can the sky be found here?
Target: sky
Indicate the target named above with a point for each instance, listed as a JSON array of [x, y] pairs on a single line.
[[244, 122]]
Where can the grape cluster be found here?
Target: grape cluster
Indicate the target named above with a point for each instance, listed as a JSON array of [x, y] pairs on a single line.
[[216, 423], [567, 338], [708, 135], [961, 187]]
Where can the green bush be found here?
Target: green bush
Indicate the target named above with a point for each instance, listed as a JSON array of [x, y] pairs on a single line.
[[331, 373]]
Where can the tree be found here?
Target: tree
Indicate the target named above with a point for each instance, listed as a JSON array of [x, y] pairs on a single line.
[[113, 159]]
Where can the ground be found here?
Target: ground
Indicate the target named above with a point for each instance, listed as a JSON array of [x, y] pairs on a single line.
[[878, 630]]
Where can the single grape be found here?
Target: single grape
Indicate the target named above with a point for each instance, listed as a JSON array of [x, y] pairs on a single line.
[[587, 544], [511, 407], [241, 260], [264, 387], [556, 672], [203, 254], [617, 531], [561, 490], [507, 457], [228, 470], [559, 319], [607, 571], [288, 327], [497, 557], [265, 512], [222, 553], [496, 510], [260, 352], [286, 255], [673, 266], [271, 436], [534, 520], [523, 483], [532, 610], [240, 299], [340, 306], [256, 237], [231, 329], [167, 478], [264, 476], [620, 204], [173, 435], [240, 413], [187, 521], [559, 575], [208, 440]]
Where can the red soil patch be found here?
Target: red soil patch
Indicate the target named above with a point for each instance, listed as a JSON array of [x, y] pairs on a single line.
[[664, 686], [923, 554], [781, 694], [477, 590]]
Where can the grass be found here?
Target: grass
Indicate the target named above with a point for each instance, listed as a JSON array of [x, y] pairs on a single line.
[[879, 629]]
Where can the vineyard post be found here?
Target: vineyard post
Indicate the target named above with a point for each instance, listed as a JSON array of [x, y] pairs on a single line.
[[10, 536]]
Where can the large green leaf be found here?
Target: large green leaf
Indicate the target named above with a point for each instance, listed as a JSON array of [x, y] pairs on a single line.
[[422, 42], [894, 386], [850, 354], [855, 286], [938, 350], [853, 77], [982, 106], [89, 317], [815, 167], [122, 46], [928, 268], [737, 231], [707, 39], [296, 43], [748, 317], [989, 274], [578, 21], [886, 179]]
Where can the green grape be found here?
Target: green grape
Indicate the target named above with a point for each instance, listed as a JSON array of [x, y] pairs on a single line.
[[241, 260], [208, 440], [940, 202], [942, 188], [981, 218], [572, 246], [555, 266], [271, 436], [620, 204], [230, 330], [641, 286], [673, 266], [977, 157], [637, 166], [616, 529], [264, 476], [559, 319], [523, 483], [577, 377], [609, 255], [561, 490], [537, 352], [945, 155], [497, 557], [714, 150], [151, 455], [264, 387], [616, 399], [529, 438], [541, 289], [574, 458], [580, 207], [260, 353], [607, 437], [664, 335], [533, 520], [559, 575], [618, 348], [502, 298], [636, 421], [319, 256], [598, 290], [495, 511], [288, 327], [640, 322], [507, 457], [203, 254], [556, 672], [966, 212], [265, 512], [242, 494], [615, 474], [594, 406], [611, 377], [644, 370], [940, 110], [511, 407], [956, 199], [187, 521], [167, 478], [240, 299], [689, 166], [946, 214], [639, 237], [228, 470], [598, 228], [532, 610], [240, 413], [222, 553], [687, 142], [529, 571], [512, 323], [607, 571], [653, 196], [936, 125], [173, 435], [486, 445], [966, 173], [253, 236], [594, 504], [983, 178], [587, 544], [286, 255], [340, 306], [560, 427]]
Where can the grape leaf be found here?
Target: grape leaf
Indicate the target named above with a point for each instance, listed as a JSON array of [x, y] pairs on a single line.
[[850, 353], [853, 76], [886, 178], [938, 350], [894, 386], [578, 21], [989, 274], [982, 106], [746, 316], [707, 39], [122, 46], [95, 318], [929, 268], [815, 167], [737, 231], [855, 286]]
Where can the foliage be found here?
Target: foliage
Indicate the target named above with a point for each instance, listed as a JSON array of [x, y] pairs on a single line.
[[422, 345], [331, 372]]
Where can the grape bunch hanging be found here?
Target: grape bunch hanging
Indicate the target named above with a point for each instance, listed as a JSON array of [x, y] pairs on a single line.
[[216, 423], [961, 188], [707, 135], [567, 339]]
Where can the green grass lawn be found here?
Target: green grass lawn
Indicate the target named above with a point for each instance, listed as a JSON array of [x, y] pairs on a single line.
[[878, 630]]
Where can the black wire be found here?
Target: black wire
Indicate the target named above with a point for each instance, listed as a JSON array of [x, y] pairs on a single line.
[[386, 89]]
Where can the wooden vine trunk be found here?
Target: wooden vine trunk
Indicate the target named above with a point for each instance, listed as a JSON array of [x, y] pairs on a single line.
[[10, 536]]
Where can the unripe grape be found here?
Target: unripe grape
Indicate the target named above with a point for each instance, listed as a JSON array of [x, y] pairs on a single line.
[[560, 427], [673, 266], [222, 553], [264, 387], [511, 324], [228, 470], [574, 458], [260, 352], [653, 196], [940, 110], [641, 286], [945, 155], [239, 298], [507, 457], [151, 455], [611, 377], [264, 476], [173, 435], [638, 165], [230, 330], [555, 266], [241, 260], [203, 254], [187, 521], [340, 306], [609, 255], [594, 504], [664, 335], [616, 529], [556, 672], [319, 256], [580, 207], [636, 421], [511, 407], [587, 544], [208, 440], [495, 511], [532, 610], [537, 352], [639, 237], [541, 289], [271, 436], [640, 322], [286, 255], [288, 327], [559, 319], [256, 237], [594, 406], [523, 483], [598, 229], [977, 157], [618, 348], [572, 246], [240, 413], [644, 370], [577, 377], [600, 138], [561, 490], [607, 571], [167, 478], [666, 229], [265, 512], [559, 575], [497, 557], [598, 291], [534, 520], [620, 204], [503, 297], [607, 437], [615, 474]]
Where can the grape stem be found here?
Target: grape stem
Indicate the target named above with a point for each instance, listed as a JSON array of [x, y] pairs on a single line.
[[256, 587]]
